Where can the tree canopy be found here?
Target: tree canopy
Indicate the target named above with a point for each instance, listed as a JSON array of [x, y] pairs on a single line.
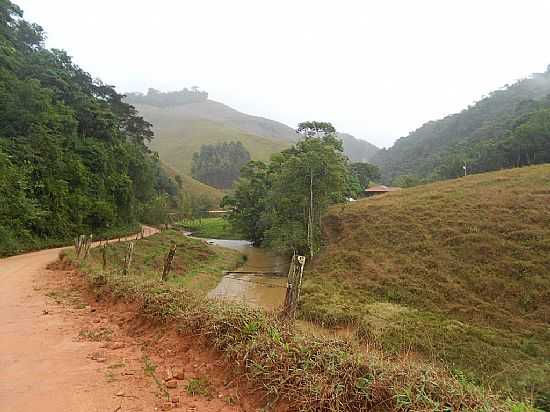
[[281, 204], [166, 99], [365, 173], [72, 153], [219, 165]]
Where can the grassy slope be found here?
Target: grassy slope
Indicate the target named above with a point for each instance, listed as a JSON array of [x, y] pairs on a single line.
[[178, 136], [460, 269], [196, 266], [194, 187], [212, 228], [306, 373]]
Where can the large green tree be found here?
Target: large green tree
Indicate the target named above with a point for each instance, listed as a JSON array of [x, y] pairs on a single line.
[[281, 204], [365, 173], [73, 157], [219, 165]]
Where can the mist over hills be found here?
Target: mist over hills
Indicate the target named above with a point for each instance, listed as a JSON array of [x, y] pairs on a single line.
[[357, 150], [186, 119], [510, 127]]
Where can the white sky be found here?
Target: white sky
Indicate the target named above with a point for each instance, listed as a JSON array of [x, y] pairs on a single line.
[[375, 69]]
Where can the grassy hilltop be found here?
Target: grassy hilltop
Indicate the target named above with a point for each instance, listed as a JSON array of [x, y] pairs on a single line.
[[457, 271], [178, 136]]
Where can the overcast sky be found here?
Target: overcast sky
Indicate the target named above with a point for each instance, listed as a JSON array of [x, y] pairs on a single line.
[[375, 69]]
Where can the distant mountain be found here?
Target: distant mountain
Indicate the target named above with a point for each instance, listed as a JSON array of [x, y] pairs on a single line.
[[510, 127], [357, 150], [186, 119], [180, 131], [195, 104]]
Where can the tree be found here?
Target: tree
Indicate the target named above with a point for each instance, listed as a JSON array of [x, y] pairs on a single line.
[[249, 203], [365, 173], [281, 204], [73, 155], [406, 181], [219, 165]]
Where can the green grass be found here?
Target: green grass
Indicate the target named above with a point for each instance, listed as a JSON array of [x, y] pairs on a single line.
[[199, 386], [457, 272], [306, 373], [212, 228], [194, 188], [196, 266], [177, 138]]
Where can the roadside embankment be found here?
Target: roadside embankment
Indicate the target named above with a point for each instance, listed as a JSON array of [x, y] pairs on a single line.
[[300, 372]]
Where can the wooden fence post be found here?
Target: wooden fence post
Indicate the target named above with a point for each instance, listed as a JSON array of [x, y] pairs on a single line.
[[294, 285], [88, 245], [128, 258], [168, 262], [104, 255], [77, 246]]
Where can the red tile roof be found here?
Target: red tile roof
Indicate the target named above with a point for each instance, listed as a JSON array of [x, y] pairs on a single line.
[[381, 189]]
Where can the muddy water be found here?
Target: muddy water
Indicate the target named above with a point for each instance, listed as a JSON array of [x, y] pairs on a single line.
[[265, 291]]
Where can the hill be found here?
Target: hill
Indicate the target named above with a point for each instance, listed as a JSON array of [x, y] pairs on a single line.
[[510, 127], [178, 134], [196, 189], [455, 271], [357, 150], [195, 104], [186, 119]]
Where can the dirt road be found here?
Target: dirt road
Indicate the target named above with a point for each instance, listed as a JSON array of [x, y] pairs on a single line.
[[57, 353]]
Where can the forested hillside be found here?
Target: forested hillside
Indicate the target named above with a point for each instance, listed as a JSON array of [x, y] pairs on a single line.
[[508, 128], [73, 155]]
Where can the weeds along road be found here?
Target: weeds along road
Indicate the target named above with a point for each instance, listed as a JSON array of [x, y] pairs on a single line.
[[43, 366]]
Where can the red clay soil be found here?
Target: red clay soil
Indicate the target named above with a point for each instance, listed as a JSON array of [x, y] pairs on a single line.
[[62, 351]]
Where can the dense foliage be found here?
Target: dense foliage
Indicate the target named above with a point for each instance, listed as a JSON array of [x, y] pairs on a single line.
[[219, 165], [281, 204], [365, 173], [72, 153], [166, 99], [508, 128]]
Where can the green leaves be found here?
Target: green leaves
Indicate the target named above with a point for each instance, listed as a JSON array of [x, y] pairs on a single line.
[[219, 165], [281, 204], [72, 153]]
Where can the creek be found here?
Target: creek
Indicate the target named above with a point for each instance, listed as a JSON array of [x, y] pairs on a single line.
[[254, 288]]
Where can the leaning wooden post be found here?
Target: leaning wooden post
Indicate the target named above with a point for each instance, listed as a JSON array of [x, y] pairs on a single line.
[[88, 245], [77, 246], [295, 274], [128, 258], [289, 283], [298, 284], [168, 262], [104, 255]]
